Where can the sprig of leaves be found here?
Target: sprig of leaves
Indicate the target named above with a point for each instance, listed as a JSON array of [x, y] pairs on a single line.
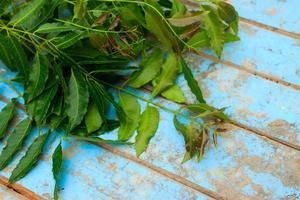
[[77, 67]]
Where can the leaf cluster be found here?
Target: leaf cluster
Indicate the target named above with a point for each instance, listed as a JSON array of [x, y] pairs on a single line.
[[76, 58]]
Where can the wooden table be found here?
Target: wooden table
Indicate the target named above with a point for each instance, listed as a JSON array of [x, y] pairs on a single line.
[[258, 79]]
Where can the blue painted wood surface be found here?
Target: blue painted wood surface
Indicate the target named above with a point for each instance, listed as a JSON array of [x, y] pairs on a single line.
[[244, 165]]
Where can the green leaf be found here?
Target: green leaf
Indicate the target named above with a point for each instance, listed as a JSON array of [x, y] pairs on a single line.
[[130, 122], [168, 75], [6, 114], [158, 27], [57, 159], [3, 6], [43, 104], [192, 83], [146, 130], [29, 159], [80, 9], [215, 30], [78, 98], [12, 54], [69, 39], [99, 140], [93, 119], [186, 20], [227, 12], [55, 28], [34, 13], [150, 68], [37, 77], [178, 8], [132, 14], [174, 93], [199, 40], [15, 141]]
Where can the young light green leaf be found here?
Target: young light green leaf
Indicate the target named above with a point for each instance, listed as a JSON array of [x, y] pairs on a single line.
[[93, 119], [6, 115], [14, 142], [130, 122], [43, 104], [150, 68], [57, 159], [146, 130], [77, 100], [199, 40], [174, 93], [55, 28], [192, 83], [13, 55], [168, 75], [34, 13], [215, 30], [29, 159], [37, 77]]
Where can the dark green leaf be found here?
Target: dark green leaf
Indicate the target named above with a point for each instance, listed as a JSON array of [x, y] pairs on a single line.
[[13, 55], [6, 114], [99, 140], [57, 159], [14, 142], [34, 13], [38, 77], [146, 130], [93, 119], [150, 68], [29, 159], [78, 99], [42, 105], [193, 84], [229, 15], [55, 28], [130, 122], [69, 39]]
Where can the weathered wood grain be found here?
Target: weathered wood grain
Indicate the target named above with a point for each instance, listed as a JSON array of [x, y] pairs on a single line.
[[8, 194]]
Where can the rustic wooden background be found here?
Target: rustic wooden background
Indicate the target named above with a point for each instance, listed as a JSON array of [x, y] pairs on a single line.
[[258, 79]]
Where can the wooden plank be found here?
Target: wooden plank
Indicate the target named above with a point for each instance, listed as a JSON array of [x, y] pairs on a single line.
[[8, 194], [266, 54], [255, 102], [281, 14]]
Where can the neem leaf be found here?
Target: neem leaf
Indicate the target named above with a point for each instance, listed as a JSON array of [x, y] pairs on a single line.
[[29, 159], [55, 28], [15, 141], [228, 13], [6, 115], [37, 77], [215, 30], [199, 40], [78, 98], [69, 39], [150, 68], [98, 140], [57, 159], [12, 54], [168, 75], [174, 93], [34, 13], [80, 9], [43, 104], [192, 83], [146, 130], [187, 20], [130, 122], [158, 27], [93, 119]]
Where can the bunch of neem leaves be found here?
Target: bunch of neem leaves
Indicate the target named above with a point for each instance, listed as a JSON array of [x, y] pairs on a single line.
[[76, 59]]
